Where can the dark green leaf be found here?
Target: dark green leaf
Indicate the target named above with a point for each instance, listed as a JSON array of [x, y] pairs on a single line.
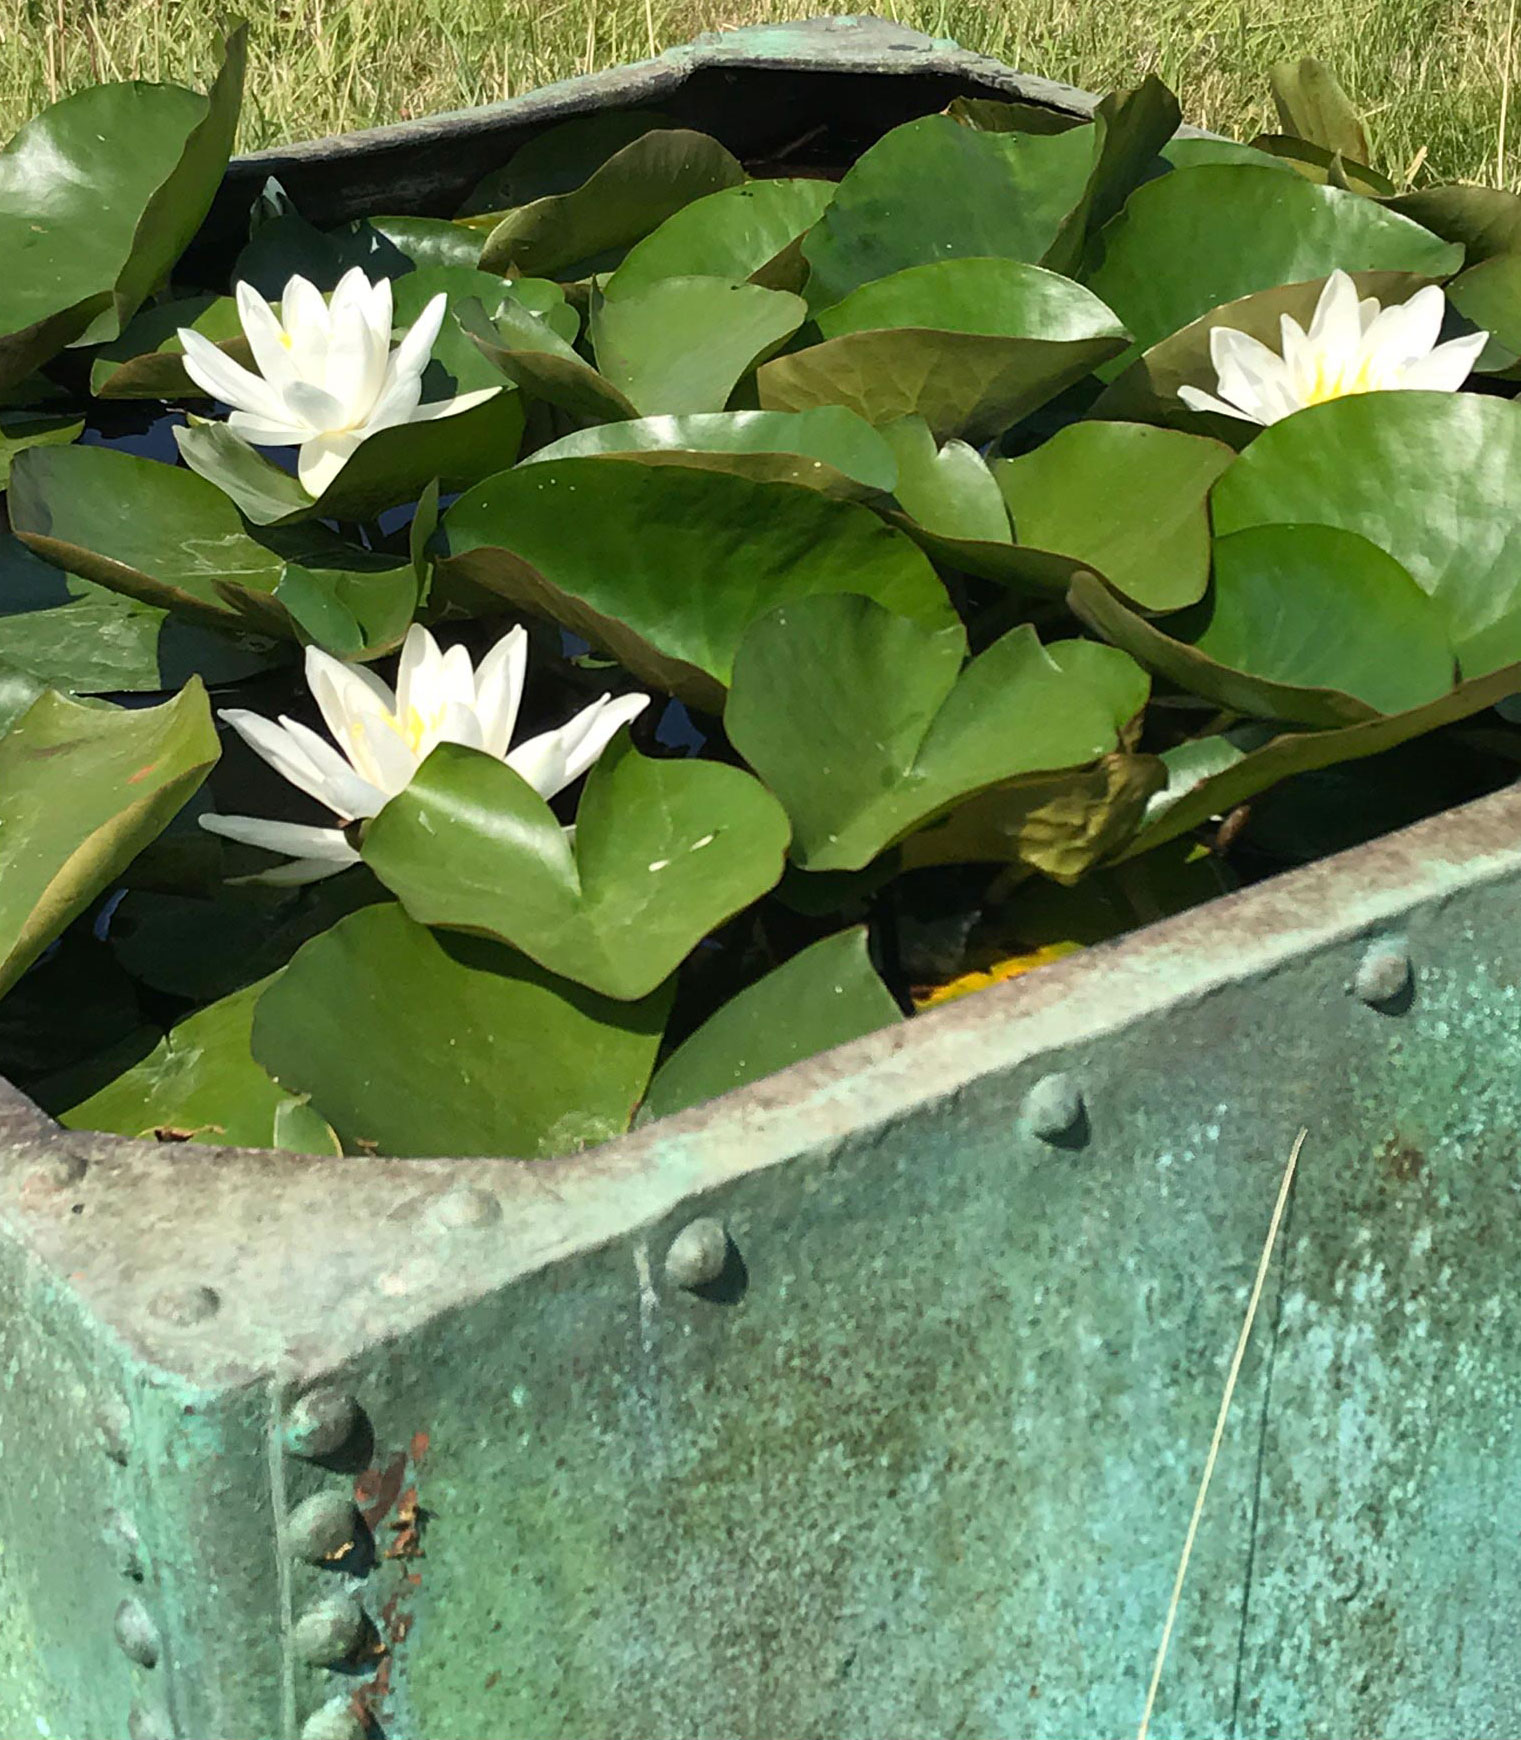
[[664, 852], [525, 347], [384, 247], [82, 790], [202, 1083], [823, 997], [1484, 221], [866, 727], [1189, 241], [1432, 478], [1303, 623], [990, 115], [934, 190], [560, 158], [1326, 168], [421, 1044], [351, 614], [632, 193], [713, 553], [1489, 297]]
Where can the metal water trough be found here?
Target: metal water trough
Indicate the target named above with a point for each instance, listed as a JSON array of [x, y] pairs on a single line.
[[440, 1450]]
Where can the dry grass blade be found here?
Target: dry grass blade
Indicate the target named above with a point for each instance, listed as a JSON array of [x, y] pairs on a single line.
[[1245, 1336]]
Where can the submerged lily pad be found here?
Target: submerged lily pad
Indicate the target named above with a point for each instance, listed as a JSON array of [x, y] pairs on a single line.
[[713, 553], [825, 995], [664, 852], [970, 345], [866, 726], [1432, 478], [404, 1039], [127, 772]]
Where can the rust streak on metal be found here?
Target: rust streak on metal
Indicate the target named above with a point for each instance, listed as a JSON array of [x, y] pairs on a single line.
[[376, 1490]]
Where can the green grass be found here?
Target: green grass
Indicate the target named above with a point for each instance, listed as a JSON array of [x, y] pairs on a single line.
[[1428, 73]]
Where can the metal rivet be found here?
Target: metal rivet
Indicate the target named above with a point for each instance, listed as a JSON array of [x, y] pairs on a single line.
[[183, 1307], [146, 1724], [320, 1422], [113, 1425], [1054, 1108], [467, 1205], [334, 1721], [322, 1526], [698, 1254], [123, 1544], [329, 1630], [1383, 974], [136, 1633]]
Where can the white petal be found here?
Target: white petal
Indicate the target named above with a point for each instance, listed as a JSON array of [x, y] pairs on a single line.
[[305, 317], [416, 671], [322, 458], [1252, 376], [552, 760], [354, 794], [214, 372], [499, 690], [295, 839], [296, 874], [286, 754], [458, 724], [436, 408], [343, 692], [359, 346], [260, 432], [1448, 366], [384, 747], [396, 404], [266, 337], [1337, 324], [1199, 401], [412, 353], [322, 410]]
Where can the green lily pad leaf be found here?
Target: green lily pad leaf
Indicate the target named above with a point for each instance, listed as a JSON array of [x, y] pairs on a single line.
[[866, 727], [1189, 153], [682, 345], [713, 553], [826, 995], [618, 204], [388, 469], [1489, 296], [99, 196], [946, 491], [1210, 776], [354, 615], [82, 790], [18, 690], [524, 347], [385, 247], [560, 158], [1061, 824], [162, 536], [457, 365], [971, 345], [994, 115], [403, 1039], [934, 190], [733, 233], [1189, 241], [1123, 498], [22, 429], [664, 852], [1131, 128], [828, 448], [1313, 107], [1483, 221], [1303, 623], [1147, 391], [1432, 478], [1326, 168], [145, 362], [202, 1082]]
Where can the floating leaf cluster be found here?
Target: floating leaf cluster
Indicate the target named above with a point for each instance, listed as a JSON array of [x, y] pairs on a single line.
[[814, 595]]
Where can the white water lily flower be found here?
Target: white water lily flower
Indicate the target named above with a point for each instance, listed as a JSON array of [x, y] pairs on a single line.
[[1352, 347], [383, 738], [328, 378]]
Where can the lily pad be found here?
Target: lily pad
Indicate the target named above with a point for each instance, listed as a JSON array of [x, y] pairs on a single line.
[[682, 345], [1326, 168], [146, 361], [866, 726], [1313, 106], [351, 613], [664, 852], [99, 196], [1125, 499], [713, 553], [560, 158], [1488, 296], [618, 204], [1189, 241], [126, 773], [1210, 776], [525, 348], [1432, 478], [935, 190], [202, 1083], [1483, 221], [385, 247], [388, 470], [1147, 392], [946, 491], [826, 995], [403, 1039], [971, 345], [828, 448], [1303, 623], [733, 233]]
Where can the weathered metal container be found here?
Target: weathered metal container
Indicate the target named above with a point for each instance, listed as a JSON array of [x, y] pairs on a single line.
[[920, 1463]]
